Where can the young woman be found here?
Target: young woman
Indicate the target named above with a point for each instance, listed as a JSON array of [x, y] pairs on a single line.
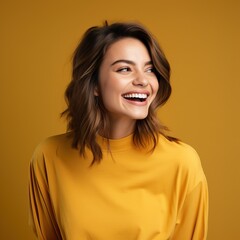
[[115, 175]]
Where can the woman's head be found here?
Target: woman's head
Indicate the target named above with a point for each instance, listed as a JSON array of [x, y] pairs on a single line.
[[127, 85], [86, 112]]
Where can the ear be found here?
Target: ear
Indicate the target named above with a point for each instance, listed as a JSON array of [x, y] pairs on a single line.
[[96, 91]]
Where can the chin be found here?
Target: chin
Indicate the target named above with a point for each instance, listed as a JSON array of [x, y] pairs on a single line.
[[140, 117]]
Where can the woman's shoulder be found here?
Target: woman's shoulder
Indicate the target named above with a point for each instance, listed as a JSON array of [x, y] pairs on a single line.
[[181, 153], [177, 148], [53, 142], [51, 146], [185, 160]]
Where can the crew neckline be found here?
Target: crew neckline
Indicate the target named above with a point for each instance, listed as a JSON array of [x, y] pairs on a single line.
[[117, 145]]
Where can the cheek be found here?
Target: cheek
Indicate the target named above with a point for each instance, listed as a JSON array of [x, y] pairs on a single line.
[[155, 86], [113, 86], [110, 93]]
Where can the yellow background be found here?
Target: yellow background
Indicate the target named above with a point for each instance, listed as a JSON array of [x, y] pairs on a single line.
[[201, 40]]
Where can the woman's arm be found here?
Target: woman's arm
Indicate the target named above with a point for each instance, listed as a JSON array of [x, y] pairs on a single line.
[[42, 216], [193, 216]]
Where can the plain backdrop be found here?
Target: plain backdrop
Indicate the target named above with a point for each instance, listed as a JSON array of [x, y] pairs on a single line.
[[201, 40]]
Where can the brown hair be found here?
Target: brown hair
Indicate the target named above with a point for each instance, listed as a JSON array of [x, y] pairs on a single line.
[[85, 112]]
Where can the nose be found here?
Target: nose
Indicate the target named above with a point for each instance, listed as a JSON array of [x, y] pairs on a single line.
[[140, 80]]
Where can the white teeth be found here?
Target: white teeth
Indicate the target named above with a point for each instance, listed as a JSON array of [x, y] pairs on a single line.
[[135, 95]]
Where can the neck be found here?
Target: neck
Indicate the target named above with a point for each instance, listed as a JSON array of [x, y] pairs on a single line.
[[121, 128]]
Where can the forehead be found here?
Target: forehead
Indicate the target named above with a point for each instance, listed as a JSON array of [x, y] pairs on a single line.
[[127, 48]]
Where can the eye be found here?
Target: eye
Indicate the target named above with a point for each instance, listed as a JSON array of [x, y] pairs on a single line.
[[150, 70], [124, 69]]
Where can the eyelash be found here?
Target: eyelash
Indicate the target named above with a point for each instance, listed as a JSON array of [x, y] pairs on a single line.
[[123, 69], [127, 69], [151, 68]]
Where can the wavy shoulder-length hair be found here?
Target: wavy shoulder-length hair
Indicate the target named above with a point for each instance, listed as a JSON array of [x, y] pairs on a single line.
[[86, 113]]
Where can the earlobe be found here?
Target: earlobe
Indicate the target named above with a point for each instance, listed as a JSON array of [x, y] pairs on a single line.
[[96, 92]]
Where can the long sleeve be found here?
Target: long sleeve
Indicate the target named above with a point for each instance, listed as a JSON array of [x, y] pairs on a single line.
[[193, 215], [41, 212]]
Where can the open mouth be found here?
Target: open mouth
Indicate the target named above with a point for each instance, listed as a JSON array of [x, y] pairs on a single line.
[[136, 97]]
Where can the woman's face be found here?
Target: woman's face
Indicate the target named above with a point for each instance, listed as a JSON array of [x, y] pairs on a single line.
[[127, 82]]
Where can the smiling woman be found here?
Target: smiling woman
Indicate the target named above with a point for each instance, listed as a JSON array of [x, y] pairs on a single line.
[[115, 174], [127, 85], [87, 112]]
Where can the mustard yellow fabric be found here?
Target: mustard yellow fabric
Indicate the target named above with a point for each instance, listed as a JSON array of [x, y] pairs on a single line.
[[131, 195]]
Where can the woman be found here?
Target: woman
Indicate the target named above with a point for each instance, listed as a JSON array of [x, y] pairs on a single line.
[[115, 174]]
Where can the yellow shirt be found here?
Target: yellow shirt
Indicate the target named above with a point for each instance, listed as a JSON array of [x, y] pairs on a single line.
[[130, 195]]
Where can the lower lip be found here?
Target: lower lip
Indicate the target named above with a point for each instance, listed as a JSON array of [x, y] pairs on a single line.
[[136, 103]]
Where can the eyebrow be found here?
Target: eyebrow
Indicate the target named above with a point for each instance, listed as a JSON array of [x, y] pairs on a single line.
[[129, 62]]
